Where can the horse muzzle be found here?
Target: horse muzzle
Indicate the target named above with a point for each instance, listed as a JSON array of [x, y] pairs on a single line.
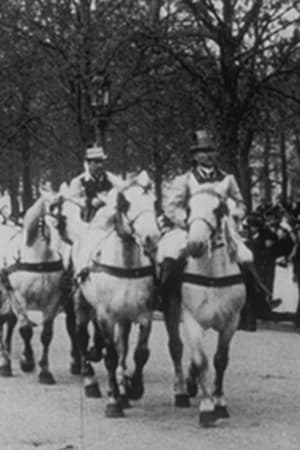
[[195, 249], [150, 246]]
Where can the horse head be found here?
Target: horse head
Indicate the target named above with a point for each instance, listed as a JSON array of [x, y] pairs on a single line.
[[136, 214], [207, 209], [35, 224]]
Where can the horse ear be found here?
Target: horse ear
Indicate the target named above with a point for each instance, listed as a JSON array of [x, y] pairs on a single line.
[[64, 189], [122, 203], [144, 180]]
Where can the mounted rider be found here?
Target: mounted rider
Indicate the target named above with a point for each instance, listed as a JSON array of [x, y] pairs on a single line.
[[90, 187], [89, 191], [206, 173]]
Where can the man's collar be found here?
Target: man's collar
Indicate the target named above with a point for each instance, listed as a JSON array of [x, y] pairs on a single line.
[[88, 176]]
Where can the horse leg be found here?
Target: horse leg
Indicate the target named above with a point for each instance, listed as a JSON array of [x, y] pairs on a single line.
[[75, 367], [114, 407], [5, 343], [10, 323], [27, 362], [142, 352], [95, 353], [221, 359], [122, 336], [45, 376], [198, 371], [82, 313], [172, 315]]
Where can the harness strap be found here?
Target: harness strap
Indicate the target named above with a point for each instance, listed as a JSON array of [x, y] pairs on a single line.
[[202, 280], [40, 267], [138, 272]]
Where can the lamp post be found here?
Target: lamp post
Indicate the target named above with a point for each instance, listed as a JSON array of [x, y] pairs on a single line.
[[99, 102]]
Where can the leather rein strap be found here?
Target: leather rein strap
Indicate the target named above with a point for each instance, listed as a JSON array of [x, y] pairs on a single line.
[[202, 280], [139, 272], [40, 267]]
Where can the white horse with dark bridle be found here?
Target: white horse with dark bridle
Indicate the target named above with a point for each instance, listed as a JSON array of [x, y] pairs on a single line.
[[113, 265], [212, 296], [33, 260]]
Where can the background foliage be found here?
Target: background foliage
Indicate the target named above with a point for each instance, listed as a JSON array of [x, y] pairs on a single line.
[[170, 67]]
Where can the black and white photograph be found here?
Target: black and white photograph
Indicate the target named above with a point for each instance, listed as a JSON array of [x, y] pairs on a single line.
[[149, 224]]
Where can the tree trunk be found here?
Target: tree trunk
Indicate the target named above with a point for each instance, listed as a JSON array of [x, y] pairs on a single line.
[[283, 167], [266, 168], [245, 170], [158, 173], [26, 170], [13, 192], [228, 137]]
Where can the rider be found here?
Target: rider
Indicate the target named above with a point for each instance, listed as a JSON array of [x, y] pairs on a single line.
[[89, 187], [89, 190], [205, 171]]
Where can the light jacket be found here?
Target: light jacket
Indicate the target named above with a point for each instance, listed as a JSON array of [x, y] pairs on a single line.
[[183, 186], [85, 189]]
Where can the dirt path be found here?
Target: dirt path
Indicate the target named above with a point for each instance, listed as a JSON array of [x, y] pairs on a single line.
[[262, 387]]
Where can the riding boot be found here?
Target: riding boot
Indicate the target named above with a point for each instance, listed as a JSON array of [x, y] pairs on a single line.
[[170, 279], [250, 269], [248, 313]]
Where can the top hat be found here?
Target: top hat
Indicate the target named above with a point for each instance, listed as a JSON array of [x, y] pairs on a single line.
[[95, 153], [202, 142]]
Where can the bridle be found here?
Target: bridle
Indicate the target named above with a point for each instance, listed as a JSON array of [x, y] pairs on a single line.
[[213, 228], [130, 221]]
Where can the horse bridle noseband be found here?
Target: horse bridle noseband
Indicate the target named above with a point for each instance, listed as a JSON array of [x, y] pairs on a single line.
[[212, 228], [131, 221]]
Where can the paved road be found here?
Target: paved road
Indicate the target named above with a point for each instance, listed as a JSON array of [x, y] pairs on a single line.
[[262, 387]]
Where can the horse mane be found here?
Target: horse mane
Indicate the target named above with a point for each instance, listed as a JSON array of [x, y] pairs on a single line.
[[32, 221], [142, 179]]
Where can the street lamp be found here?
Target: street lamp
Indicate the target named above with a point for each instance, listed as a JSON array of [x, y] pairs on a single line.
[[99, 102]]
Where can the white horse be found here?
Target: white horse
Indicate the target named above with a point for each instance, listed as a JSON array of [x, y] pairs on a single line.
[[12, 306], [112, 259], [213, 294], [32, 264]]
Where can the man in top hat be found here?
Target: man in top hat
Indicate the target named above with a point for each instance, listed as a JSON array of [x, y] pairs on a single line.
[[204, 171], [88, 187]]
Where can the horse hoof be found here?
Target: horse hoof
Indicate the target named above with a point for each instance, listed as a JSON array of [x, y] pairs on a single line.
[[46, 378], [27, 365], [87, 371], [5, 371], [222, 412], [92, 391], [207, 419], [114, 410], [136, 390], [192, 388], [75, 368], [124, 402], [182, 401]]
